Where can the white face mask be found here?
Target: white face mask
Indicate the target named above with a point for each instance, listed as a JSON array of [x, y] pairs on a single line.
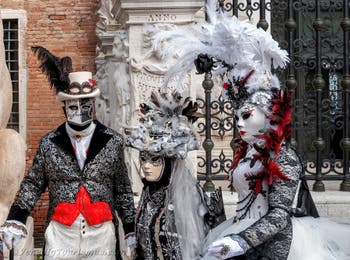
[[79, 111], [152, 166], [250, 120]]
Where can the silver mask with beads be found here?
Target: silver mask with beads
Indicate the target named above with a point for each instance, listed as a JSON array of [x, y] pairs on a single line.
[[79, 111]]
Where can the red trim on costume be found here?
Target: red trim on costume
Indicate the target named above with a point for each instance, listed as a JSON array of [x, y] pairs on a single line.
[[240, 152], [281, 118], [94, 212]]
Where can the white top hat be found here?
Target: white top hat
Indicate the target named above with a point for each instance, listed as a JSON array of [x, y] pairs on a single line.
[[81, 86]]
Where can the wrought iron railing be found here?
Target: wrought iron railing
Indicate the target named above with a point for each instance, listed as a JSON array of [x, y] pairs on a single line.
[[314, 33]]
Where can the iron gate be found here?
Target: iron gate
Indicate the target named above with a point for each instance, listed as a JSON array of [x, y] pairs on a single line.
[[314, 33]]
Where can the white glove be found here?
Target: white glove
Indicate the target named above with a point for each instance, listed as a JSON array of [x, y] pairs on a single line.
[[130, 243], [225, 248], [13, 231]]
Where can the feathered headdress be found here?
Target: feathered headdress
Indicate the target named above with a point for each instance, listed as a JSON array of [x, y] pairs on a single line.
[[68, 84], [166, 126], [239, 46], [243, 55]]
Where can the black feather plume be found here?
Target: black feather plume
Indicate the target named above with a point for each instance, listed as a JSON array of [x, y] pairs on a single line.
[[56, 69]]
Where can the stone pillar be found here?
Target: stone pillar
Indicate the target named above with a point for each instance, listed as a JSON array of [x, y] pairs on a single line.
[[127, 68]]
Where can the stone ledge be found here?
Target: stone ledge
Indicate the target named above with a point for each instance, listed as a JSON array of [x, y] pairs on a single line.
[[331, 197], [331, 204]]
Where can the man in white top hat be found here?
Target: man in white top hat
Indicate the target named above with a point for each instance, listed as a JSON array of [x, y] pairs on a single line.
[[82, 165]]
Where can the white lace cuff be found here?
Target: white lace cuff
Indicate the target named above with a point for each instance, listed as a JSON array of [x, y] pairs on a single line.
[[15, 227]]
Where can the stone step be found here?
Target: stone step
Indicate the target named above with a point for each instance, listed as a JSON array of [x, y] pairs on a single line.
[[330, 204]]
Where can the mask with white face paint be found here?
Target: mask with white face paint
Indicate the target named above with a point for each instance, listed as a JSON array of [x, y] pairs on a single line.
[[250, 121], [79, 111], [152, 166]]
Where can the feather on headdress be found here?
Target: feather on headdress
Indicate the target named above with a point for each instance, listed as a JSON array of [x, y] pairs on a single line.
[[238, 44], [56, 69], [68, 84]]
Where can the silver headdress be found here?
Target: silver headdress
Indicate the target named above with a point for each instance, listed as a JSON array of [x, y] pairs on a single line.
[[166, 126]]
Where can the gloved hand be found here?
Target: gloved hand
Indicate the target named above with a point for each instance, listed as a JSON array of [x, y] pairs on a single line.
[[130, 243], [225, 248], [13, 231]]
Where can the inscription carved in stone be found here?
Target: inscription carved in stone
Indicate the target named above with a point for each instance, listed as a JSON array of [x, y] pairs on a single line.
[[162, 18]]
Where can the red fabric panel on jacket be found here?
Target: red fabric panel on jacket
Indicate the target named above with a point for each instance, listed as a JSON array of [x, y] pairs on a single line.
[[94, 213]]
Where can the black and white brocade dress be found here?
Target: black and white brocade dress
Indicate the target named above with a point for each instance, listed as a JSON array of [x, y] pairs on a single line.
[[264, 220], [156, 233]]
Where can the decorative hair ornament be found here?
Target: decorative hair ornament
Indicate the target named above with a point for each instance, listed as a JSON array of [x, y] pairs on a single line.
[[166, 126]]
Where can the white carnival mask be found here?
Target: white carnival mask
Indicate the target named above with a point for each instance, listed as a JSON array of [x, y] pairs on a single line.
[[79, 111], [152, 166], [250, 121]]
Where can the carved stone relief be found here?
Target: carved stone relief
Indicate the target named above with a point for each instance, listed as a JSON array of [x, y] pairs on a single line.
[[149, 69], [112, 76], [128, 69], [106, 16]]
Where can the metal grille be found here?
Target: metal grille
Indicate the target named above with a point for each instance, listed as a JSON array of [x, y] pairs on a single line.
[[11, 56]]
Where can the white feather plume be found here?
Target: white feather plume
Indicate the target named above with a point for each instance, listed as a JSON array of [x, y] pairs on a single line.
[[210, 9], [223, 38]]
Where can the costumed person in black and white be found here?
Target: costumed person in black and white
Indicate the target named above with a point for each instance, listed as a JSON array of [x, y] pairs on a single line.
[[266, 172], [172, 217], [81, 163]]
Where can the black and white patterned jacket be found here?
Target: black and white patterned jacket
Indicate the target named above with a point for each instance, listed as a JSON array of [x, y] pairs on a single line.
[[55, 167], [271, 236]]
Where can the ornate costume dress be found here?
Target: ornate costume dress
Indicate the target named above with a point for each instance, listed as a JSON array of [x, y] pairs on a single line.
[[266, 224], [173, 217], [155, 230], [161, 228]]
